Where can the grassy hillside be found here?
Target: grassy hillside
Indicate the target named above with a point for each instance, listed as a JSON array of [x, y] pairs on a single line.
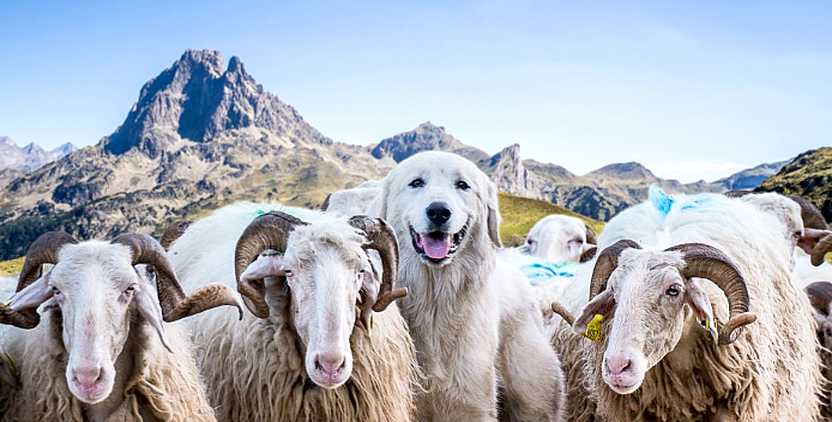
[[520, 214], [10, 267], [808, 175]]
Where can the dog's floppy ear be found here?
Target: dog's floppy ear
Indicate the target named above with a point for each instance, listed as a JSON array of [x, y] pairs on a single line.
[[493, 206]]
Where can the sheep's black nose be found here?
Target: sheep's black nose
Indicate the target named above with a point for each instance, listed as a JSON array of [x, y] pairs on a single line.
[[438, 213]]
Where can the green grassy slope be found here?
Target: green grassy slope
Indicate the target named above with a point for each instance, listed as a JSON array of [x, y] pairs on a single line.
[[520, 214]]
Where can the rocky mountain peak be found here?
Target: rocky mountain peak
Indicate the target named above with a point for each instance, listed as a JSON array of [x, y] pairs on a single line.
[[425, 137], [195, 99], [508, 172], [32, 148]]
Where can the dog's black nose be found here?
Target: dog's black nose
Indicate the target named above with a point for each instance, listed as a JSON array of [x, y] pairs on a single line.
[[438, 213]]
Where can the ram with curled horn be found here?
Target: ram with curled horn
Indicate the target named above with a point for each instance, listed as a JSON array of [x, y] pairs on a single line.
[[100, 301], [319, 315], [705, 312]]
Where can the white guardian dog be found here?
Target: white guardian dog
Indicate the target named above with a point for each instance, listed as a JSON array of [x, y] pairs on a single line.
[[472, 318]]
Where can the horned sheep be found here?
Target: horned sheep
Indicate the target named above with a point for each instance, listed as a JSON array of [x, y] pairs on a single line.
[[319, 342], [104, 352], [654, 360]]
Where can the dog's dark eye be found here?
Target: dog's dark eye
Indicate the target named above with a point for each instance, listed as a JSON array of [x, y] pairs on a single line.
[[417, 183], [672, 291], [463, 185]]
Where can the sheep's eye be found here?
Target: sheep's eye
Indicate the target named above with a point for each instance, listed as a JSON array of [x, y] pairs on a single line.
[[55, 291], [288, 273], [530, 241], [130, 290], [797, 235], [417, 183], [462, 185], [672, 291]]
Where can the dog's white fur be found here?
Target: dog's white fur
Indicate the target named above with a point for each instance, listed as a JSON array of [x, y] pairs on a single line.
[[472, 318]]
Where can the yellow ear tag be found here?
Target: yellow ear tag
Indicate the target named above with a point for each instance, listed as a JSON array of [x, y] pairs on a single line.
[[710, 326], [593, 329]]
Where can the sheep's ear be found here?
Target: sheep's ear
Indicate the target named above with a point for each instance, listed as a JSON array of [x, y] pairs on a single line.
[[698, 300], [147, 302], [264, 266], [368, 296], [601, 305], [33, 295], [492, 204]]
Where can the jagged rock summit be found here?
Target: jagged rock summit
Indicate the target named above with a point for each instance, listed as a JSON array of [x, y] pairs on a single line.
[[200, 135], [196, 100]]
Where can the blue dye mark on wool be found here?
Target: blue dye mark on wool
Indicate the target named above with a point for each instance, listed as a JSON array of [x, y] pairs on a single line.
[[660, 200], [544, 272], [696, 203]]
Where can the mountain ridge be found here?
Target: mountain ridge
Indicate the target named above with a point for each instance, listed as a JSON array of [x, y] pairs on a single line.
[[203, 133], [30, 156]]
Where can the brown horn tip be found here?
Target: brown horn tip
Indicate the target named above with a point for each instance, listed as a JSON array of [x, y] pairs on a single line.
[[203, 299], [727, 332], [564, 313], [820, 250], [26, 319], [173, 232]]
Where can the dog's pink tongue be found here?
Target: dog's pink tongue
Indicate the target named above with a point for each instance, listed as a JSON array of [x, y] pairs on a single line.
[[436, 248]]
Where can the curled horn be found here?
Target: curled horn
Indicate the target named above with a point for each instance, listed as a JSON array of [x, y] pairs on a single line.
[[173, 301], [821, 249], [557, 308], [269, 231], [590, 235], [173, 232], [44, 250], [606, 264], [813, 220], [811, 215], [820, 295], [382, 238], [704, 261]]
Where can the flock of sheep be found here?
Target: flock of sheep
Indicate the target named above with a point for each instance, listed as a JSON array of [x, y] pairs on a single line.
[[397, 302]]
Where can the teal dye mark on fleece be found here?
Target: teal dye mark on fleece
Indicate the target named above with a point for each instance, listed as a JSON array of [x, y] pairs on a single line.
[[545, 272], [696, 203], [660, 200]]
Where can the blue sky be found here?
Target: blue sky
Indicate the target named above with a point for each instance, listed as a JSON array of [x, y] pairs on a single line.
[[692, 90]]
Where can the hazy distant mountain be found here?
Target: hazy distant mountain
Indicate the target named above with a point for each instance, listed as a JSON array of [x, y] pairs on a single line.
[[426, 137], [29, 157], [599, 194], [198, 136], [751, 178], [809, 175]]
